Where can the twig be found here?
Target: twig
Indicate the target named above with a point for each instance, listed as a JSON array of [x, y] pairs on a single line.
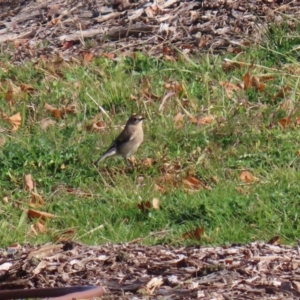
[[100, 107], [165, 98], [150, 235], [91, 231]]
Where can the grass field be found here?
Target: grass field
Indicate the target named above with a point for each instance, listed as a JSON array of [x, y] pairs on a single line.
[[220, 157]]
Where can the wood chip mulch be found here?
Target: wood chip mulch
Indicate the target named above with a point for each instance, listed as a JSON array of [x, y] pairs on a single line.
[[67, 28], [130, 271]]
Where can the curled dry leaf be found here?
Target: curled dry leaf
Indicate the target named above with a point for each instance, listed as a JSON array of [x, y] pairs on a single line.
[[40, 226], [274, 240], [96, 126], [40, 214], [27, 88], [148, 162], [28, 182], [252, 81], [65, 236], [284, 122], [15, 120], [202, 120], [194, 234], [193, 183], [145, 206], [247, 177], [9, 96], [87, 57], [54, 111], [229, 88], [36, 200], [159, 188], [178, 120]]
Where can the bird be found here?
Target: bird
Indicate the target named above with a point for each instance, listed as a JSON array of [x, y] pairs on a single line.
[[128, 141]]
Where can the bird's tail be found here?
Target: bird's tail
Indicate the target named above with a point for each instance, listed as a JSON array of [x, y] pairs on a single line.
[[109, 152]]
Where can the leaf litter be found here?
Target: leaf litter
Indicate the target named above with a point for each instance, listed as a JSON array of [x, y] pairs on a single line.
[[255, 271]]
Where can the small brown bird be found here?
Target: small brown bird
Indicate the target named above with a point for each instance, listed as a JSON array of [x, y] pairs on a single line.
[[128, 140]]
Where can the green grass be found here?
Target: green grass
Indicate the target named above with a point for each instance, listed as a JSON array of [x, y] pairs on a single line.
[[245, 135]]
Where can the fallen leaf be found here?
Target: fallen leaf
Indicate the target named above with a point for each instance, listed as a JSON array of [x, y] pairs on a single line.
[[193, 183], [9, 96], [283, 92], [109, 55], [145, 206], [5, 200], [54, 111], [194, 234], [284, 122], [230, 88], [148, 162], [274, 240], [15, 120], [39, 214], [178, 119], [28, 182], [65, 236], [87, 57], [27, 87], [40, 226], [247, 177], [36, 200], [155, 203], [159, 188]]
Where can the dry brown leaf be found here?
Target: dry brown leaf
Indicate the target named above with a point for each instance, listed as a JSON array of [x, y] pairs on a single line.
[[45, 123], [87, 57], [65, 236], [283, 92], [252, 81], [145, 206], [96, 126], [40, 214], [206, 120], [274, 240], [5, 200], [194, 234], [49, 107], [27, 87], [9, 96], [159, 188], [28, 182], [230, 88], [284, 122], [178, 119], [36, 200], [247, 177], [155, 203], [109, 55], [15, 120], [229, 66], [193, 183], [40, 226], [148, 162]]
